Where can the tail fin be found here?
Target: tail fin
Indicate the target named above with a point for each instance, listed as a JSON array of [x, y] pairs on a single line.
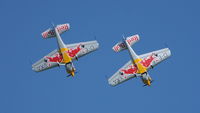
[[121, 45], [49, 33]]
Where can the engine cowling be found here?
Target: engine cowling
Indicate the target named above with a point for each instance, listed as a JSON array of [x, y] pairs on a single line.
[[70, 67]]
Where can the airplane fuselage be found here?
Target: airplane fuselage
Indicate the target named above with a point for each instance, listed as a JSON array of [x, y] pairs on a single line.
[[136, 60], [146, 79], [66, 59]]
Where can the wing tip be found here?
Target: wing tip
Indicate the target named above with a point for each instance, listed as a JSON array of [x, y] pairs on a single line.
[[111, 83], [168, 51], [34, 69]]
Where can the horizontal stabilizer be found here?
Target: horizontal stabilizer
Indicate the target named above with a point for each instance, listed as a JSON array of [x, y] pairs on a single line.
[[49, 33], [121, 45]]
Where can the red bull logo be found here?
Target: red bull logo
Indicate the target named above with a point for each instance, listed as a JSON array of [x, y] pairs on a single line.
[[51, 33], [63, 27], [132, 39], [131, 70], [146, 62], [72, 52], [58, 57], [48, 33]]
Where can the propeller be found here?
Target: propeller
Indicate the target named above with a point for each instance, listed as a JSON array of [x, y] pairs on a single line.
[[71, 75], [144, 85]]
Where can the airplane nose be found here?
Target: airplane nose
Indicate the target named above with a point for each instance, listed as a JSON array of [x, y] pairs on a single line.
[[72, 73], [148, 82]]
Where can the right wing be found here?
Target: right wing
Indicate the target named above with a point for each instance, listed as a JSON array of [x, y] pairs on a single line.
[[129, 70], [153, 58], [80, 49]]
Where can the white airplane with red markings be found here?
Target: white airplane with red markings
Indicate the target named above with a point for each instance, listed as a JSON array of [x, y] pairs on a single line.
[[139, 65], [65, 54]]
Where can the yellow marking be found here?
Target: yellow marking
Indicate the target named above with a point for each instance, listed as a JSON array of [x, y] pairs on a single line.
[[137, 60], [72, 73], [147, 82], [66, 57], [141, 68]]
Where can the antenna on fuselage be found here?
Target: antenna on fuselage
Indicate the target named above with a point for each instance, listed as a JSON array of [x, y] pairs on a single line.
[[123, 37], [53, 24]]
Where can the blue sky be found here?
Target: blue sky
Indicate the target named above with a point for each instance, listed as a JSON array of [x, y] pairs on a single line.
[[174, 23]]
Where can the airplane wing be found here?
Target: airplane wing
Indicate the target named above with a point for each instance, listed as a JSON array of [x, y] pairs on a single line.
[[75, 51], [80, 49], [153, 58], [128, 71], [119, 77], [44, 64]]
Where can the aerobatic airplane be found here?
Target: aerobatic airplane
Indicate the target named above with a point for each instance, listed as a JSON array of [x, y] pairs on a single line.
[[65, 54], [139, 65]]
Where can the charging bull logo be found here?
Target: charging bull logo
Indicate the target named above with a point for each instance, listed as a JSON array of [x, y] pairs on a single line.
[[56, 58], [131, 70], [71, 52], [146, 62]]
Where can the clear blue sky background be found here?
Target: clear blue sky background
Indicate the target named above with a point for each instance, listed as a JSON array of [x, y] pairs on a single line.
[[158, 22]]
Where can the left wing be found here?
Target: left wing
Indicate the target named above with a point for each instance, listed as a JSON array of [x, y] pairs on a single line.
[[120, 77], [129, 70], [44, 63]]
